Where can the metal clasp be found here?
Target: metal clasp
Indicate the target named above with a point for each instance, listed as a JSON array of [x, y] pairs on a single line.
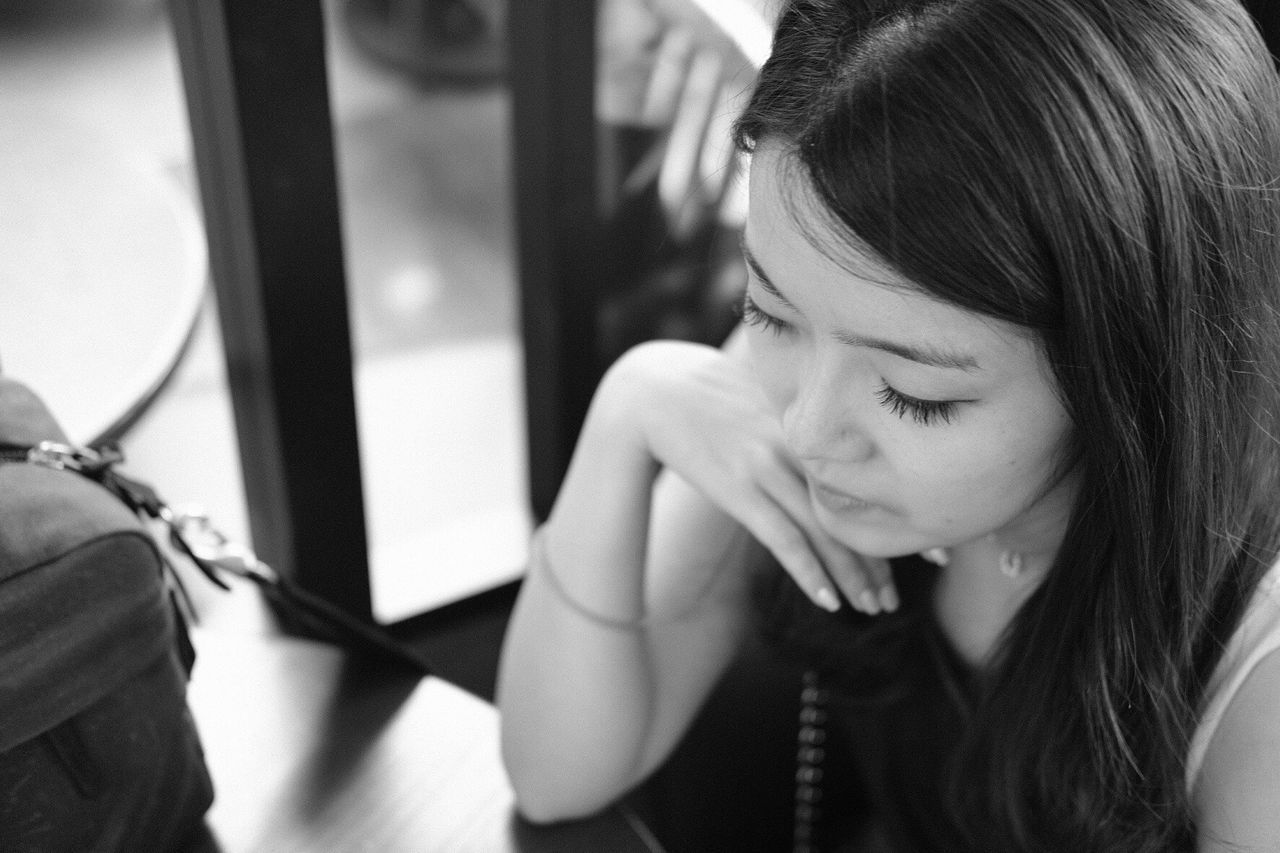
[[209, 544], [59, 456]]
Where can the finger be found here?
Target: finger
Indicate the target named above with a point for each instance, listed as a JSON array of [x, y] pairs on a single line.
[[764, 498], [791, 547], [866, 582], [839, 565]]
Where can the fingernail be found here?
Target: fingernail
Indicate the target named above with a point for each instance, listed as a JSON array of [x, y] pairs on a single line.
[[827, 600], [870, 605], [889, 599]]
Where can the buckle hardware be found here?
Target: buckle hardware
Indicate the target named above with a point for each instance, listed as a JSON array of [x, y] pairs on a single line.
[[59, 456], [195, 533]]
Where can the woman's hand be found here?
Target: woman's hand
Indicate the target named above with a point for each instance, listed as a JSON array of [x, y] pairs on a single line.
[[700, 413]]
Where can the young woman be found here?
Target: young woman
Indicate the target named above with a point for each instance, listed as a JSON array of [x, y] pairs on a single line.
[[1006, 411]]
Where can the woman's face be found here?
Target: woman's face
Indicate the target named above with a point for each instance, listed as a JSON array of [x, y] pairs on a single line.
[[916, 423]]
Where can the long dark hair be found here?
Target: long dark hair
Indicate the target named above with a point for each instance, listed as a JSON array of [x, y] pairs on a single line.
[[1107, 174]]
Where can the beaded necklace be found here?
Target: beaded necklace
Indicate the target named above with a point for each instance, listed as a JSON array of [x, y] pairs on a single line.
[[810, 752]]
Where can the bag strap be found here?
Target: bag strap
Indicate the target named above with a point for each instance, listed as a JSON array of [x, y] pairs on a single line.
[[194, 536]]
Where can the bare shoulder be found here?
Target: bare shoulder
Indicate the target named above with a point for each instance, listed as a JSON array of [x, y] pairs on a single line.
[[1237, 798]]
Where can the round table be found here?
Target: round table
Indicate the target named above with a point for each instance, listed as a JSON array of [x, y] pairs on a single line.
[[102, 270]]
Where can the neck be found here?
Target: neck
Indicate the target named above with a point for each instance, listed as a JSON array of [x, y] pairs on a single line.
[[975, 600]]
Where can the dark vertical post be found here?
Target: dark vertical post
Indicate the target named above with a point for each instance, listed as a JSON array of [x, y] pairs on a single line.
[[558, 228], [257, 98]]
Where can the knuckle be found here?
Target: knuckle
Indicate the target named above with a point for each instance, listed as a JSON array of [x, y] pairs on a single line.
[[741, 469], [793, 552], [790, 541], [851, 581], [758, 459]]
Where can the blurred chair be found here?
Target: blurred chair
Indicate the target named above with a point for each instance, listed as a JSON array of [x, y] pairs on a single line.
[[434, 41]]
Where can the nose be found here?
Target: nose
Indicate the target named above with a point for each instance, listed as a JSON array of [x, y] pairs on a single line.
[[821, 421]]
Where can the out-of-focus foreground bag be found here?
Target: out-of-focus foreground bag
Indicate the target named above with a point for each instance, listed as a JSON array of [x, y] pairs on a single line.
[[98, 751]]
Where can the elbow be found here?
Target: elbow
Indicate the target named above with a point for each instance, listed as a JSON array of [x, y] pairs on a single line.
[[540, 799], [544, 810], [548, 793]]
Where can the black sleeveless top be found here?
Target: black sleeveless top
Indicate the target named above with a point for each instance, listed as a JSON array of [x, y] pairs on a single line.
[[899, 698]]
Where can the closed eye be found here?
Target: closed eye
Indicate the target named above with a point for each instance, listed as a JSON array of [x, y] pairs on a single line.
[[923, 412], [753, 315]]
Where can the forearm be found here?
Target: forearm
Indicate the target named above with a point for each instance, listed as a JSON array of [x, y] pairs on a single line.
[[640, 602], [575, 702], [575, 693], [622, 630], [591, 709]]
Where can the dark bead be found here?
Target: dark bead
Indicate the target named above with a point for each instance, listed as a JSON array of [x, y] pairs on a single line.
[[809, 775], [812, 735], [810, 755], [813, 716], [808, 794], [813, 696]]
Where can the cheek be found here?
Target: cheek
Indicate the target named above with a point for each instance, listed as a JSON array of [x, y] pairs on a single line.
[[774, 373], [982, 479]]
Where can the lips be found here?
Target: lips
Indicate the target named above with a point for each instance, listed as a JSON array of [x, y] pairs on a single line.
[[837, 501]]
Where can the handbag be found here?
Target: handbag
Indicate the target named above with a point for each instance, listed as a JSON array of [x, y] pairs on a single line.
[[98, 750]]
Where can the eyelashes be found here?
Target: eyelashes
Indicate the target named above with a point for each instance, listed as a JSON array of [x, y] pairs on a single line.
[[751, 315], [923, 412]]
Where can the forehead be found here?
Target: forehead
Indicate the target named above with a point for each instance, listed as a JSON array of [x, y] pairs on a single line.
[[784, 204], [827, 273]]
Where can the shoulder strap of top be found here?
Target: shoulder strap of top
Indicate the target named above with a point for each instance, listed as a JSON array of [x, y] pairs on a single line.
[[1257, 636]]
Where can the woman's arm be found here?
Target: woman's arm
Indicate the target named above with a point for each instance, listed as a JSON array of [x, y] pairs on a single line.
[[1237, 796], [590, 708]]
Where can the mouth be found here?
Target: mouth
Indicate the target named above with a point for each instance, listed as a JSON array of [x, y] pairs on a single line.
[[836, 501]]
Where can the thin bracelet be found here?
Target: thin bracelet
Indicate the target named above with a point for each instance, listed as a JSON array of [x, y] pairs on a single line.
[[539, 560]]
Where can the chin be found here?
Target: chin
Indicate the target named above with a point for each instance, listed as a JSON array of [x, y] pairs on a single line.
[[880, 543], [878, 532]]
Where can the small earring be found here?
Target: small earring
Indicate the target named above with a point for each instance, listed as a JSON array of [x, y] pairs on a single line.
[[1010, 564], [937, 556]]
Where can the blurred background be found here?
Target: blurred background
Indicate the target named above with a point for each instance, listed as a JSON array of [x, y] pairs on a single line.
[[107, 308]]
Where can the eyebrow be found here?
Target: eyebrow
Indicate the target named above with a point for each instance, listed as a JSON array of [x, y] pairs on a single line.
[[929, 356]]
